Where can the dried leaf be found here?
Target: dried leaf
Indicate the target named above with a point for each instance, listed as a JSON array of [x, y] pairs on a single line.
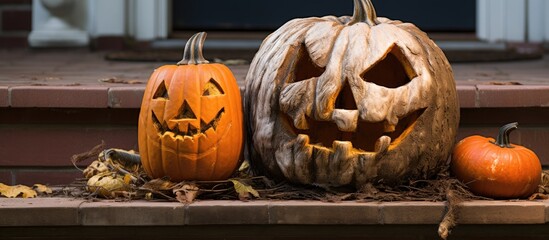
[[540, 196], [505, 83], [231, 61], [117, 80], [105, 184], [16, 191], [369, 189], [96, 167], [544, 184], [244, 191], [187, 193], [158, 185], [148, 196], [244, 166], [128, 178], [545, 178], [42, 189]]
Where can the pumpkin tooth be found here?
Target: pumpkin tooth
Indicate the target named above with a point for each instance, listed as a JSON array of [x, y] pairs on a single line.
[[342, 146], [382, 144], [346, 120], [388, 127], [342, 163], [321, 158], [302, 158]]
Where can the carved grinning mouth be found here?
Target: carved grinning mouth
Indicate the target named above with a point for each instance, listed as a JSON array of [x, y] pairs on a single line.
[[366, 136], [191, 130]]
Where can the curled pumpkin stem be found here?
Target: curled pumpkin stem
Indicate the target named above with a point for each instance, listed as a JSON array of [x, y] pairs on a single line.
[[364, 12], [502, 139], [193, 50]]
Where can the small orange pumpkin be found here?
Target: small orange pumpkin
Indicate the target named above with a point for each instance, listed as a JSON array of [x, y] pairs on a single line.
[[496, 168], [190, 124]]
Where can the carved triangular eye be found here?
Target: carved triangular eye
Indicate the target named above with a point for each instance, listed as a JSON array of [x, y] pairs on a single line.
[[392, 71], [304, 67], [186, 112], [212, 88], [161, 91]]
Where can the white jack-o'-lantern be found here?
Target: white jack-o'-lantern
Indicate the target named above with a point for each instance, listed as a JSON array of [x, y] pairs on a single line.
[[350, 100]]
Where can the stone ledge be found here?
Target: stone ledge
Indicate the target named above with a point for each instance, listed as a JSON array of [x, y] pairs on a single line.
[[100, 96], [48, 212]]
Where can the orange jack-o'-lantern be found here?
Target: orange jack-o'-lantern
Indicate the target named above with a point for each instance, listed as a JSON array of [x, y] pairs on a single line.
[[190, 124]]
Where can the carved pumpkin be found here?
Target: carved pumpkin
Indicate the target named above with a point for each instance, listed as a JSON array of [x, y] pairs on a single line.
[[496, 168], [190, 124], [350, 100]]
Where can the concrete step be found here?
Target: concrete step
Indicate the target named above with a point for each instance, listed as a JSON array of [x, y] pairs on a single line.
[[51, 218]]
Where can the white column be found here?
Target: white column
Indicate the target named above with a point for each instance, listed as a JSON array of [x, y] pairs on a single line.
[[108, 18], [151, 19], [546, 20], [501, 20], [536, 20], [62, 24]]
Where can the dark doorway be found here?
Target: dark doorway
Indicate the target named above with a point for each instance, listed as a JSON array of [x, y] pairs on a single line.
[[254, 15]]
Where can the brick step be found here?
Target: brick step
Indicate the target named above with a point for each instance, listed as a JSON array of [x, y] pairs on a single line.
[[36, 144], [73, 100]]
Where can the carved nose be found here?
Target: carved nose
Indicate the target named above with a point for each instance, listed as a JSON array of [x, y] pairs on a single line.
[[345, 114], [345, 99]]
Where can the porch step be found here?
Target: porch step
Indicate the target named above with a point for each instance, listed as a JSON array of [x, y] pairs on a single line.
[[56, 104], [52, 218]]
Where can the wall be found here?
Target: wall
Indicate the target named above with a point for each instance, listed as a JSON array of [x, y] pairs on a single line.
[[15, 23]]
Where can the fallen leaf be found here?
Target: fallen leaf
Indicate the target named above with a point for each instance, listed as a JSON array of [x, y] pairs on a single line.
[[505, 83], [158, 185], [187, 193], [244, 191], [244, 166], [117, 80], [128, 178], [96, 167], [538, 196], [148, 196], [105, 184], [231, 61], [545, 178], [16, 191], [42, 189]]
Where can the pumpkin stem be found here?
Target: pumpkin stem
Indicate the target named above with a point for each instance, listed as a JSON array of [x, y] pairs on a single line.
[[502, 139], [193, 50], [364, 12]]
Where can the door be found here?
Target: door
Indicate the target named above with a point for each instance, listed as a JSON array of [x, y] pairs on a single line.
[[262, 15]]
